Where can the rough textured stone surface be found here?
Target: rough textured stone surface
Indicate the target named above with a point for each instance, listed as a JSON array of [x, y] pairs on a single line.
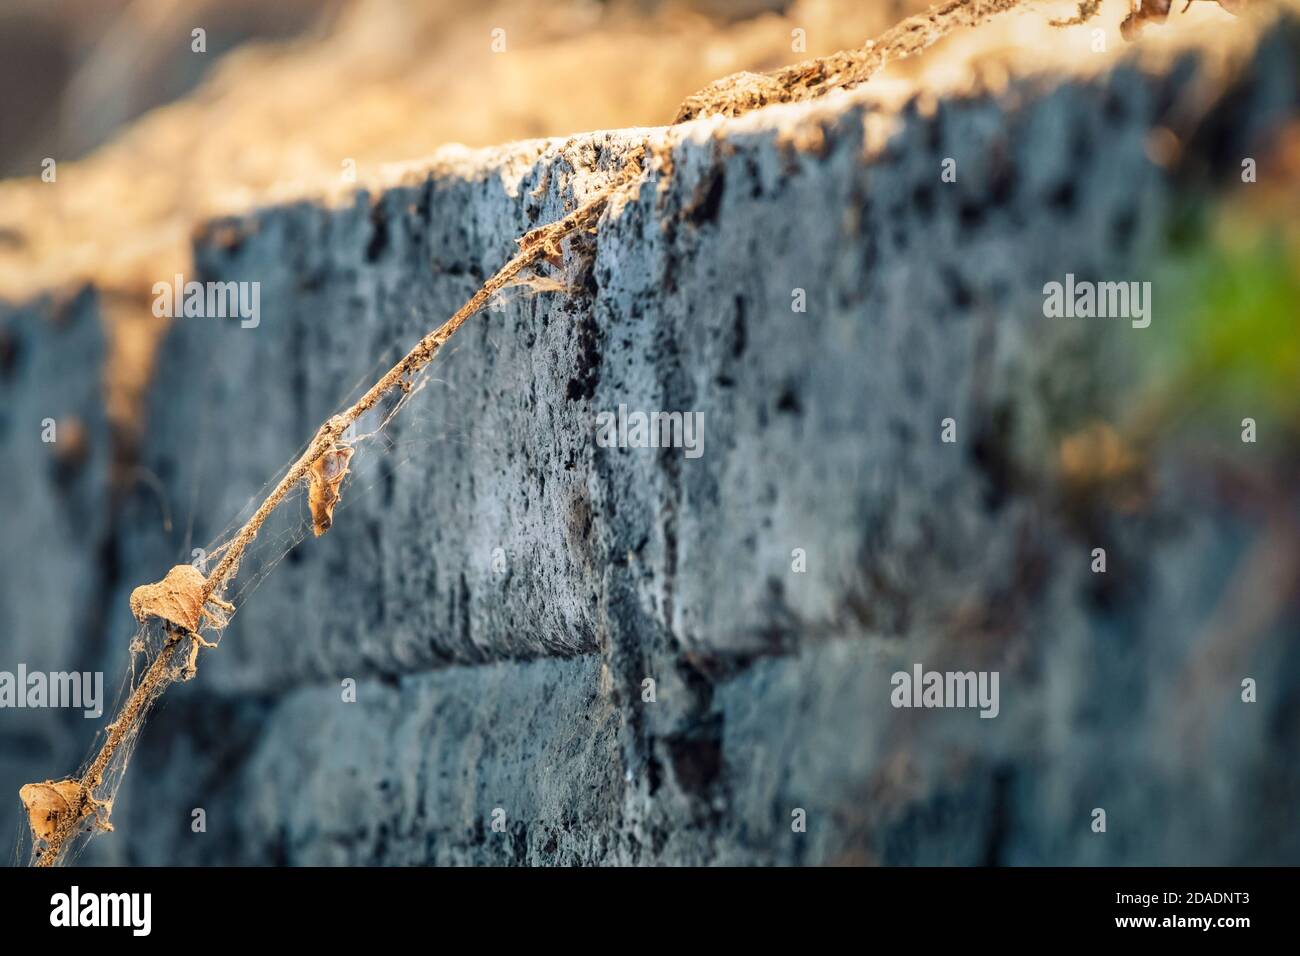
[[58, 565], [523, 690]]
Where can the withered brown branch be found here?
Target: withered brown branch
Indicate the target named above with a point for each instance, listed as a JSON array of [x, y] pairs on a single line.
[[184, 598], [742, 92], [1087, 10]]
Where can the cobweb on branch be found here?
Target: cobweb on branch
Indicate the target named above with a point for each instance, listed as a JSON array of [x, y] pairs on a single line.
[[162, 654], [188, 609]]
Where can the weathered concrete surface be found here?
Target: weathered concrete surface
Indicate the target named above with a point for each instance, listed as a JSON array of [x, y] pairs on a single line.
[[58, 566], [523, 690], [923, 302]]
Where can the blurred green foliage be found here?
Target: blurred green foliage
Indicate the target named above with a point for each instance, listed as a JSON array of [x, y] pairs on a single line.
[[1232, 339]]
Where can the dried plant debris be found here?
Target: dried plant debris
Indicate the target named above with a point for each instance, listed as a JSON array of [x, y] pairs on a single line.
[[51, 802], [1146, 11], [177, 598], [1087, 10], [327, 473], [1157, 11], [1099, 460], [181, 599], [742, 92]]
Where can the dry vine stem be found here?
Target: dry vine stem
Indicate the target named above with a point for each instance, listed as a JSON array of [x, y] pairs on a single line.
[[184, 597], [742, 92], [739, 93]]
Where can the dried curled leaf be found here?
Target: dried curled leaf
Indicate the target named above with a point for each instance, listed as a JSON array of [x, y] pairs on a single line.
[[177, 598], [1146, 11], [1096, 453], [47, 803], [327, 473], [1097, 458], [1157, 11]]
